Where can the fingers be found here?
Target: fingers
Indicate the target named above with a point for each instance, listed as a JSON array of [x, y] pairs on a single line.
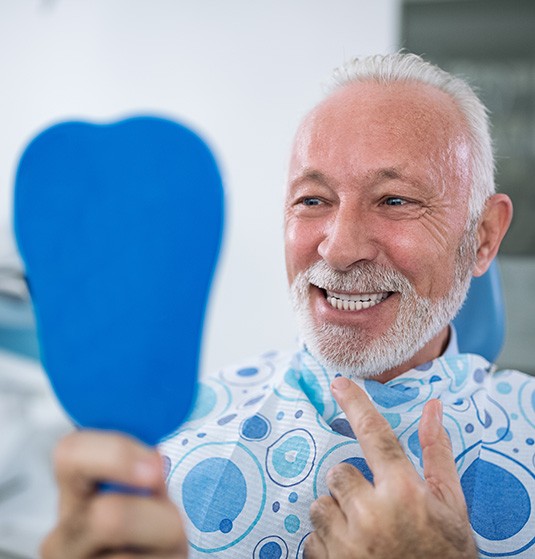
[[86, 458], [315, 548], [326, 517], [348, 487], [118, 523], [329, 523], [331, 516], [112, 524], [381, 448], [440, 471], [95, 523]]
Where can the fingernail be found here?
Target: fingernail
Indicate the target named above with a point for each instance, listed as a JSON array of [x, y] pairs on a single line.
[[340, 383]]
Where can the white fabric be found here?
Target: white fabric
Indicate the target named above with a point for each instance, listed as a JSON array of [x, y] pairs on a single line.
[[256, 450]]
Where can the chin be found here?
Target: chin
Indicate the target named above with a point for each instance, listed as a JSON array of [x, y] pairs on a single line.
[[357, 353], [343, 350]]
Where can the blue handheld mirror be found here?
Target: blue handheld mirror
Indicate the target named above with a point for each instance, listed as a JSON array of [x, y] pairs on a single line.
[[119, 226]]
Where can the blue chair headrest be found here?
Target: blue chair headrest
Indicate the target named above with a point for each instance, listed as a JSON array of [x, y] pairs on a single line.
[[480, 323]]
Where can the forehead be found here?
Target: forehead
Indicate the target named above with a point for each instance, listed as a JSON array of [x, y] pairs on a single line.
[[368, 124]]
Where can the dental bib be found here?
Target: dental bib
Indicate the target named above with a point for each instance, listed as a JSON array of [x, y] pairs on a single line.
[[119, 226], [254, 455]]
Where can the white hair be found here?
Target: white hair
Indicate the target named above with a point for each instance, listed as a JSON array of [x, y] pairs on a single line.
[[402, 66]]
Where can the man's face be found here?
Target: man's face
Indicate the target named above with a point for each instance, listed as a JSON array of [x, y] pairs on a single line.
[[377, 249]]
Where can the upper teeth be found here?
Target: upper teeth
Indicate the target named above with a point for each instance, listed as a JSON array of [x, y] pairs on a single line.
[[354, 301]]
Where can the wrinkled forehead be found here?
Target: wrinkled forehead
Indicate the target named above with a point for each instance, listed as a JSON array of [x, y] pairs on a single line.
[[398, 116]]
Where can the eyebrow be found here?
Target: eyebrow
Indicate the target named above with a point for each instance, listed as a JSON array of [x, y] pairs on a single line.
[[310, 175], [394, 173], [390, 173], [373, 177]]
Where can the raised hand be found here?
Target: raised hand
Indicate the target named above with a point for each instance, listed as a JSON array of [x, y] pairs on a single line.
[[400, 516], [93, 523]]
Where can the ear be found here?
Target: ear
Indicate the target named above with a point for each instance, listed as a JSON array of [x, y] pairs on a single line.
[[491, 230]]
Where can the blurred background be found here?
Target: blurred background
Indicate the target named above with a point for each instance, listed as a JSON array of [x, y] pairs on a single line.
[[242, 74]]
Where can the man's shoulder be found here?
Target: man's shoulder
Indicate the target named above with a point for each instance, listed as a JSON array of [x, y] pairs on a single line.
[[511, 393], [512, 376]]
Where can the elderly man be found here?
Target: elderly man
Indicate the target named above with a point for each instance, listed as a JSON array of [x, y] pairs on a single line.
[[342, 449]]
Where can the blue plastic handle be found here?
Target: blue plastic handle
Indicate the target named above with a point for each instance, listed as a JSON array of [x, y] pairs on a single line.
[[120, 226]]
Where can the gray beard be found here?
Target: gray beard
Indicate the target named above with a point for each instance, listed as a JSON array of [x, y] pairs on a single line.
[[419, 319]]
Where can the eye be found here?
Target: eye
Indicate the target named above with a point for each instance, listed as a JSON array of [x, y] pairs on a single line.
[[310, 201], [395, 201]]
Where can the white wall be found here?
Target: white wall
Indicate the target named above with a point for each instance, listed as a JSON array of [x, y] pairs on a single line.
[[242, 72]]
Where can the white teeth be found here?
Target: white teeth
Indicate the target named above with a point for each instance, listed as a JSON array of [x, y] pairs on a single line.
[[373, 297], [354, 302]]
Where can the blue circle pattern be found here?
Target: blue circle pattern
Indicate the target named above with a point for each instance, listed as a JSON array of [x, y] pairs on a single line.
[[393, 418], [206, 401], [341, 425], [255, 428], [490, 512], [215, 494], [292, 523], [271, 547], [270, 550], [390, 395], [226, 525], [290, 459], [247, 372], [205, 516], [492, 489]]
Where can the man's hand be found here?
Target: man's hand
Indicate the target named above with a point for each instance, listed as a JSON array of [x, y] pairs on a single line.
[[400, 516], [93, 523]]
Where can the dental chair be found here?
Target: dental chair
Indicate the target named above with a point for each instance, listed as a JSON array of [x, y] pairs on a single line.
[[480, 323]]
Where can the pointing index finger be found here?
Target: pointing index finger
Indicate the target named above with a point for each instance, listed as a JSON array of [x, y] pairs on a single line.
[[381, 448]]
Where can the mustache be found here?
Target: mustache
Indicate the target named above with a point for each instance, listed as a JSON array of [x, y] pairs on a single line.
[[364, 277]]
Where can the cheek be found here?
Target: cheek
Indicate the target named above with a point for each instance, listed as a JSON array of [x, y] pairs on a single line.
[[425, 264], [301, 244]]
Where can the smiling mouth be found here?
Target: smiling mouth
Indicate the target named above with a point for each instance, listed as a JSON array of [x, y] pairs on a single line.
[[354, 301]]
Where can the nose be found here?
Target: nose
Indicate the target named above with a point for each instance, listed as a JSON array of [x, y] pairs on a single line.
[[348, 239]]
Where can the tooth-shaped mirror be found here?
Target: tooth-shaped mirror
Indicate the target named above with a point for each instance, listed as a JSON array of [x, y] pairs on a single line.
[[119, 226]]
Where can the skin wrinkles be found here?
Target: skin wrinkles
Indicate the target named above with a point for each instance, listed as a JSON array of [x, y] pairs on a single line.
[[440, 185], [380, 174], [389, 179]]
